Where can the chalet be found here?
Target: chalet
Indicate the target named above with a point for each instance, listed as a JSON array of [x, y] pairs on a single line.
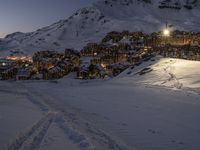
[[69, 53], [7, 69], [54, 73], [134, 59], [6, 62], [46, 60], [75, 61], [9, 73], [23, 74], [90, 49], [66, 66], [170, 4], [83, 72], [38, 76], [91, 72], [117, 68], [189, 4]]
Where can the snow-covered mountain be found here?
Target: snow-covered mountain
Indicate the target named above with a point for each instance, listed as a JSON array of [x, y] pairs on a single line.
[[92, 23]]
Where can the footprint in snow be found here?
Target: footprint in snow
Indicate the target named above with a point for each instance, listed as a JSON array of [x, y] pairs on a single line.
[[178, 142], [124, 124], [153, 131]]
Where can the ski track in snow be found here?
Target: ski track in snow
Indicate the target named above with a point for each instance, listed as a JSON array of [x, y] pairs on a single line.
[[172, 77], [31, 139], [168, 69], [81, 132]]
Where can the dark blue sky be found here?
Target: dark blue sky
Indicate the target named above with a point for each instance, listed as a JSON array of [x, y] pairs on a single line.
[[29, 15]]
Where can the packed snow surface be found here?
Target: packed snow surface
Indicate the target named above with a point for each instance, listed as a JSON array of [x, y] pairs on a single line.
[[175, 73], [154, 106]]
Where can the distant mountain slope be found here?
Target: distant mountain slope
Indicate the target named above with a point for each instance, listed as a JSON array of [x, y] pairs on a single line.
[[92, 23]]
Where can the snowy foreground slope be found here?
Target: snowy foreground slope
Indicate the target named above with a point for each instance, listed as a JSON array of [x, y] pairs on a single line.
[[91, 24], [141, 110], [174, 73]]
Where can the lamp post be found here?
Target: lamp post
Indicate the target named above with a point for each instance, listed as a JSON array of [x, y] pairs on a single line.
[[166, 32]]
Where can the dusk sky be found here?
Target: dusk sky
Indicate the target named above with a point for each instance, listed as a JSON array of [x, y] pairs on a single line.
[[29, 15]]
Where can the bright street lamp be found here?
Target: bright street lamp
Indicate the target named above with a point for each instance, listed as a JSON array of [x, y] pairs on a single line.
[[166, 32]]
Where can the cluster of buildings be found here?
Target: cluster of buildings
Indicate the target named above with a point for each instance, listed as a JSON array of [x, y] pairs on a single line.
[[116, 52], [184, 52], [54, 65], [114, 59], [188, 4], [15, 68], [119, 50], [43, 65]]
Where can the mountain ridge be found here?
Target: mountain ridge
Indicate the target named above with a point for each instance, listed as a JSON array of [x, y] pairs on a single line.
[[90, 24]]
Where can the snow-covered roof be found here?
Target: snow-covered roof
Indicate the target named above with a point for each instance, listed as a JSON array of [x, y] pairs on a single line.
[[55, 69], [23, 72], [125, 40]]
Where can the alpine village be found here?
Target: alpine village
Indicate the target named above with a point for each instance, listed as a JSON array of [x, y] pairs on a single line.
[[106, 59]]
